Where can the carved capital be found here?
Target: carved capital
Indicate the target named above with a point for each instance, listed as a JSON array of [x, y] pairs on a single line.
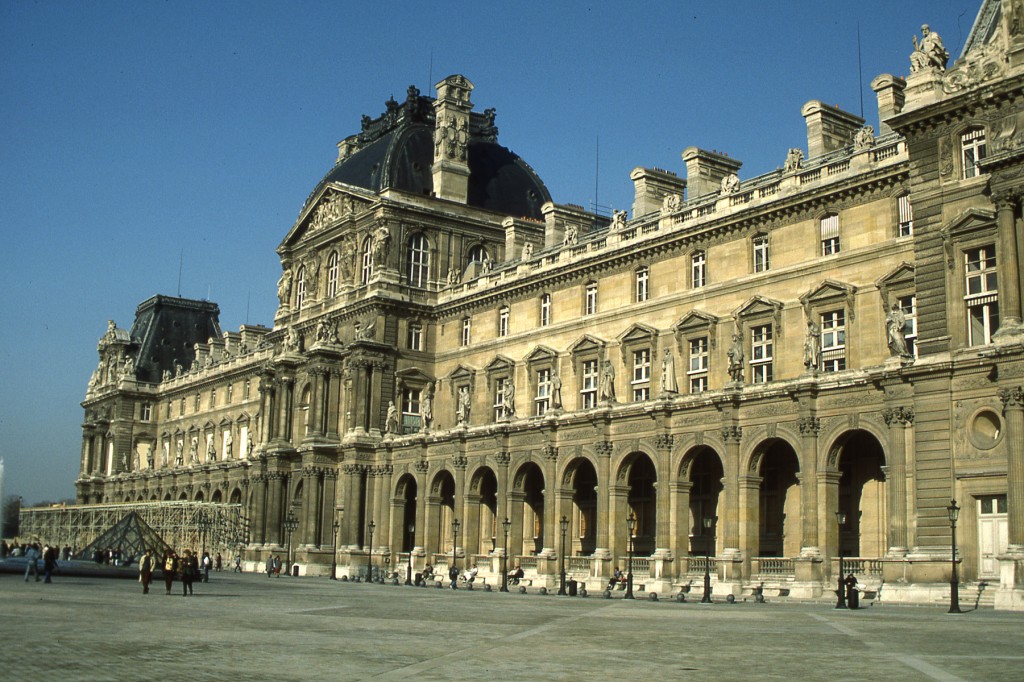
[[809, 426], [664, 441], [732, 433], [551, 452], [604, 448], [1013, 398], [504, 457], [459, 462], [421, 466], [898, 415]]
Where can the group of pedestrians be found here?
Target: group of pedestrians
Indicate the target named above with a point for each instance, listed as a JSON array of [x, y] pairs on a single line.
[[187, 569], [33, 554]]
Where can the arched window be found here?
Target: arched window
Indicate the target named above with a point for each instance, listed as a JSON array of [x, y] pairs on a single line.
[[367, 267], [418, 260], [332, 274], [477, 254], [300, 287]]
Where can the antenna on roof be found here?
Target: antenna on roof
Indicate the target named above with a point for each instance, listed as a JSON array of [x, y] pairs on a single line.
[[597, 166], [181, 260], [860, 73], [248, 297], [207, 292], [430, 72]]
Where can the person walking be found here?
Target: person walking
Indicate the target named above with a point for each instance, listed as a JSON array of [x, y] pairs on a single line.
[[188, 569], [453, 576], [270, 565], [238, 564], [170, 568], [146, 571], [49, 563], [206, 564], [32, 558]]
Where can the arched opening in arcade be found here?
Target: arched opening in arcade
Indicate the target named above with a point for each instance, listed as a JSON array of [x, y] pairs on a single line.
[[482, 512], [405, 494], [778, 509], [581, 478], [199, 496], [862, 495], [236, 497], [441, 512], [527, 537], [642, 502], [705, 475]]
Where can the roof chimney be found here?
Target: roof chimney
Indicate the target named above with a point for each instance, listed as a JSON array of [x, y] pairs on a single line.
[[651, 186], [889, 90], [451, 138], [705, 170], [828, 128]]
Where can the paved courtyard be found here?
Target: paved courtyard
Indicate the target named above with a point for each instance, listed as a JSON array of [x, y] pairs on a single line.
[[248, 626]]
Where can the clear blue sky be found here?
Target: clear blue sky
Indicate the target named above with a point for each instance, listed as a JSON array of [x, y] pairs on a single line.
[[131, 132]]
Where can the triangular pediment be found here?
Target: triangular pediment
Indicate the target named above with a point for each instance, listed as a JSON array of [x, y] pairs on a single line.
[[462, 372], [541, 354], [901, 274], [413, 375], [695, 320], [828, 290], [243, 418], [225, 422], [586, 343], [500, 363], [758, 305], [209, 425], [334, 203], [970, 220], [638, 333]]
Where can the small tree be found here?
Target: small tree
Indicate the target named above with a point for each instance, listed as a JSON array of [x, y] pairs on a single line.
[[11, 515]]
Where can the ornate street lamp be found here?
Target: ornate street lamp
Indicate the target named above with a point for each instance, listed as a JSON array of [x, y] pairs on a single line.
[[564, 524], [840, 591], [334, 555], [631, 526], [455, 541], [205, 524], [291, 524], [505, 526], [954, 581], [369, 552], [709, 523]]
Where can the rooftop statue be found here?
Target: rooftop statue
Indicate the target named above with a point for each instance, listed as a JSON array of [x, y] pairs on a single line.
[[929, 53]]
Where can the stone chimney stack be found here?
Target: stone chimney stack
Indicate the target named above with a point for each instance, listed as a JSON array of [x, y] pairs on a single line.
[[705, 170], [828, 128], [451, 138], [889, 90], [651, 186]]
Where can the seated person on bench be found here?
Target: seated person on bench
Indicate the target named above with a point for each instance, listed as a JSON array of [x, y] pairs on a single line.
[[515, 575]]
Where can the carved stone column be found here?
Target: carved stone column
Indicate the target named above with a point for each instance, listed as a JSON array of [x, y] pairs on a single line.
[[258, 510], [1013, 410], [681, 524], [603, 514], [750, 517], [275, 482], [327, 511], [730, 509], [809, 509], [550, 521], [383, 492], [459, 462], [314, 421], [420, 541], [308, 513], [899, 420], [432, 520], [618, 510], [1008, 265], [333, 406], [353, 508], [517, 502], [663, 540], [503, 507]]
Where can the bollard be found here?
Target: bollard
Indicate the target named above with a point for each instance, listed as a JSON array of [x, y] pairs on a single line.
[[522, 589], [729, 599], [344, 578], [543, 591], [681, 597], [653, 596], [607, 594], [583, 592], [487, 588]]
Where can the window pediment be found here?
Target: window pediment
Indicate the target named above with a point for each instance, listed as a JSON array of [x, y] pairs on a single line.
[[541, 354], [695, 322], [587, 344], [499, 364], [335, 203], [900, 277], [638, 333], [413, 375], [761, 306], [225, 422], [829, 291]]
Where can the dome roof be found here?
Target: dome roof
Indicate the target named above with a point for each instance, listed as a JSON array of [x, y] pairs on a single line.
[[396, 151]]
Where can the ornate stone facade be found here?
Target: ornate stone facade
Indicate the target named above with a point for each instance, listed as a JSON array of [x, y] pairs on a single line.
[[433, 361]]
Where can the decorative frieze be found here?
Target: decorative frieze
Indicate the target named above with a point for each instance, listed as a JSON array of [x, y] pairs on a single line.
[[809, 426], [898, 415]]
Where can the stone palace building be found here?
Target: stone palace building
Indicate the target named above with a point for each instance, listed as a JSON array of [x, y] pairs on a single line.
[[724, 368]]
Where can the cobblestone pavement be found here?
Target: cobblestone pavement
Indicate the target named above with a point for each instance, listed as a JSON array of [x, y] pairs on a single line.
[[252, 627]]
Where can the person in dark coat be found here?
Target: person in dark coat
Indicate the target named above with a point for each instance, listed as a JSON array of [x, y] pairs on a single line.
[[49, 563], [188, 569], [146, 571], [170, 569], [453, 575]]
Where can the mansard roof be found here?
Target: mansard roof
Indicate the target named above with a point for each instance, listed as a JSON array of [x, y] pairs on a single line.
[[168, 328]]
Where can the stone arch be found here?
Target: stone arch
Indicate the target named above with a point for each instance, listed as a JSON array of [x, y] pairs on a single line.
[[835, 438], [236, 496], [750, 459], [638, 472], [528, 501], [199, 496], [406, 494], [482, 510], [859, 458], [776, 529], [217, 496], [624, 461], [579, 476]]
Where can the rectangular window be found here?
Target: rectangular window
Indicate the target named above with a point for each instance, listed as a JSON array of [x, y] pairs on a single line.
[[982, 295], [641, 383], [833, 341], [698, 270], [230, 390], [972, 149], [588, 387], [761, 262], [830, 235], [415, 337], [590, 302], [466, 327], [542, 401], [905, 227], [499, 398], [147, 412], [908, 304], [410, 410], [503, 322], [642, 282], [248, 387], [213, 398], [761, 354], [545, 310], [698, 366], [198, 402]]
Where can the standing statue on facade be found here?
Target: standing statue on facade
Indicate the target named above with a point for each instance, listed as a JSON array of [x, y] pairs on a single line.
[[895, 322], [508, 399], [179, 457], [556, 391], [284, 287], [812, 347], [211, 451], [391, 423], [929, 53], [794, 158], [736, 359], [528, 251], [150, 459], [463, 408], [193, 451], [427, 407], [606, 392], [572, 236], [229, 444], [668, 373], [381, 246]]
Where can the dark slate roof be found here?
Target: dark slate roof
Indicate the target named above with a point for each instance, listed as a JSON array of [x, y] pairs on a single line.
[[167, 329], [396, 151]]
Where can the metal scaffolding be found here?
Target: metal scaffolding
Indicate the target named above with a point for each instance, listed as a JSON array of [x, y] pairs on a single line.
[[178, 523]]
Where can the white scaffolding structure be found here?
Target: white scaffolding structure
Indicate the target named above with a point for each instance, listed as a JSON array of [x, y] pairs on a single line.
[[178, 523]]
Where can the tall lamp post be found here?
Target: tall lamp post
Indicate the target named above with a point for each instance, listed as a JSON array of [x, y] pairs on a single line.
[[205, 524], [630, 526], [709, 523], [564, 524], [505, 525], [334, 555], [840, 592], [954, 581], [291, 524], [455, 542], [369, 551]]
